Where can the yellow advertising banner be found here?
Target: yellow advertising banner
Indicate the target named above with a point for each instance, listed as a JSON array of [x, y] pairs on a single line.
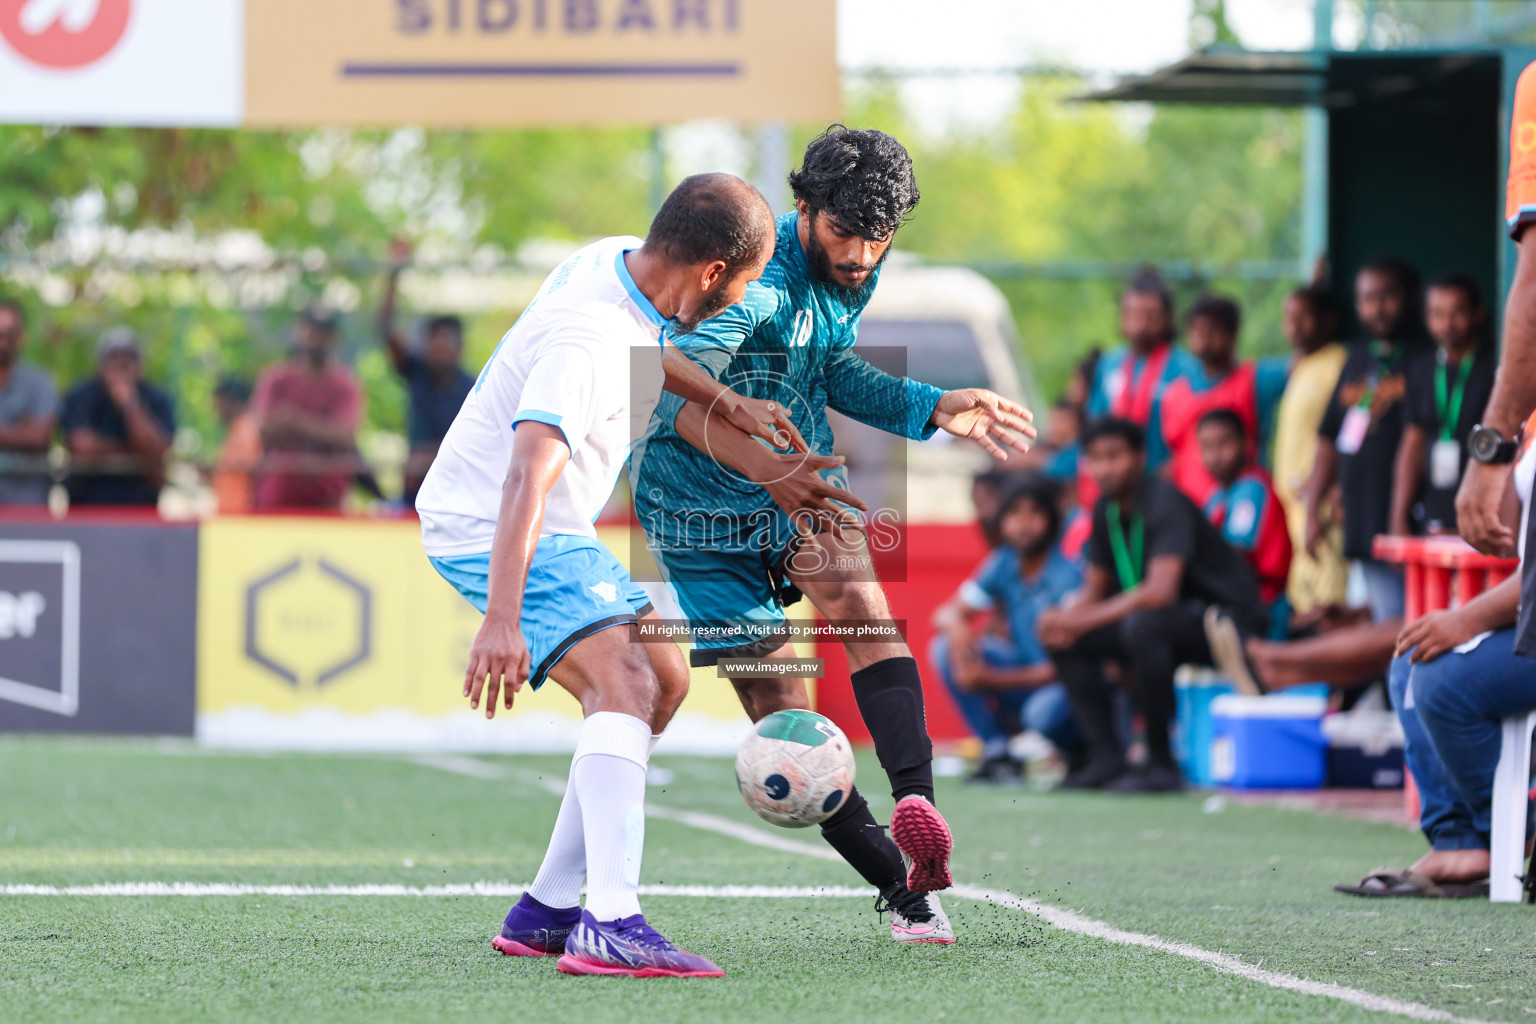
[[480, 63], [337, 633]]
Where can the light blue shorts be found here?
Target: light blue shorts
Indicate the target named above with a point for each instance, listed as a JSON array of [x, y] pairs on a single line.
[[575, 588]]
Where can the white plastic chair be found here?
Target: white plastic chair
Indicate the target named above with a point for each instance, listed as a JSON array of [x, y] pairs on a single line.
[[1511, 789]]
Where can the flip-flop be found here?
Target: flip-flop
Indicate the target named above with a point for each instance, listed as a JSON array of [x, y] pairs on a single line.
[[1400, 883], [1227, 650]]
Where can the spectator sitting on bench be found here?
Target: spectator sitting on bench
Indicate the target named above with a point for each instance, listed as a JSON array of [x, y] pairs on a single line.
[[1004, 684], [1455, 679], [1244, 508], [1155, 564]]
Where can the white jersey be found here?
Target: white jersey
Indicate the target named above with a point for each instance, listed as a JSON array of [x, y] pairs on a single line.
[[567, 362]]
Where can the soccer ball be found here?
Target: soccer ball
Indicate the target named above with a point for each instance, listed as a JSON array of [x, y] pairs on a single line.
[[795, 769]]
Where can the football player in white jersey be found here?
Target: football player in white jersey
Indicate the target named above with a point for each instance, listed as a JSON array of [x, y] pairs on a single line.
[[507, 514]]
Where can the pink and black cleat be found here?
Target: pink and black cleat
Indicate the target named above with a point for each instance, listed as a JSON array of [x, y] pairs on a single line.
[[630, 947], [922, 834], [532, 929]]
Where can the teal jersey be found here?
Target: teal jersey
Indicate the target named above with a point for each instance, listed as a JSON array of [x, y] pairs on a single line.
[[791, 340]]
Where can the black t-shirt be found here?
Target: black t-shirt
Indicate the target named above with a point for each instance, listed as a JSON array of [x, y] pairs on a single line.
[[434, 402], [1438, 504], [1373, 374], [1214, 573], [89, 405]]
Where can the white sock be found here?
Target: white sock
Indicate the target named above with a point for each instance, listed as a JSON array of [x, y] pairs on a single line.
[[655, 739], [608, 775], [558, 883]]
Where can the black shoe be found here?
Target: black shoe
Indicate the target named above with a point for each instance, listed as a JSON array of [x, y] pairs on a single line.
[[1148, 778], [997, 771], [898, 899], [1096, 774]]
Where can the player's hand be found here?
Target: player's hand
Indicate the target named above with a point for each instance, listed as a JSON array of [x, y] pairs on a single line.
[[796, 485], [1478, 506], [762, 418], [1432, 635], [499, 655], [987, 418]]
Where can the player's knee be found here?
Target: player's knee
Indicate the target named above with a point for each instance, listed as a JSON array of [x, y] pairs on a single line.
[[629, 684], [852, 601], [672, 681]]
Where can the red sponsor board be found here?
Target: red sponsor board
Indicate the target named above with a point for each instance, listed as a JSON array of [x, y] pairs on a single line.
[[938, 559], [64, 34]]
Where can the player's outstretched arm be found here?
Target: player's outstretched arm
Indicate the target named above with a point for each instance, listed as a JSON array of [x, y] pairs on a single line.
[[758, 417], [498, 659], [793, 480], [987, 418], [399, 258]]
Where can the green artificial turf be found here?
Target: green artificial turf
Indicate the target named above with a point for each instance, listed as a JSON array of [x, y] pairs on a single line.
[[1250, 881]]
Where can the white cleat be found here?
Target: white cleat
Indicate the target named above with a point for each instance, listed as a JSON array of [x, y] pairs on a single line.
[[917, 917]]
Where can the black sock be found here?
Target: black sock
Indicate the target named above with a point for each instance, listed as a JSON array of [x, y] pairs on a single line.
[[859, 840], [890, 697]]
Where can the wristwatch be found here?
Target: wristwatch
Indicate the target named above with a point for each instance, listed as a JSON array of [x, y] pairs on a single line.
[[1490, 447]]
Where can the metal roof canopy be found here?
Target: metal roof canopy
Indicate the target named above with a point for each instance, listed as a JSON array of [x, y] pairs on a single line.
[[1410, 153], [1331, 79]]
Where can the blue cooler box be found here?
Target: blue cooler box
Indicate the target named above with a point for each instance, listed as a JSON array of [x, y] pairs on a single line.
[[1273, 742], [1196, 689]]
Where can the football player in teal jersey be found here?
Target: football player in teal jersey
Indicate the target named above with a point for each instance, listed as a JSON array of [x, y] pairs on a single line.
[[725, 516]]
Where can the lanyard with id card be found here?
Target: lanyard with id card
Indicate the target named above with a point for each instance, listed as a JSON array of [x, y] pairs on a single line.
[[1357, 420], [1128, 556], [1445, 453]]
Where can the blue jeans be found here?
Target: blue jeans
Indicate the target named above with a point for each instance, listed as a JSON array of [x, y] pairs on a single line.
[[1451, 709], [1384, 589], [993, 715]]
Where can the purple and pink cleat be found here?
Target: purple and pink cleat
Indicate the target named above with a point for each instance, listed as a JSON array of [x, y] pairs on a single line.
[[532, 929], [630, 947], [920, 832]]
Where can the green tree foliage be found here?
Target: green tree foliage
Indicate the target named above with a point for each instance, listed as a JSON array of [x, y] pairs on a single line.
[[1055, 181], [1059, 182]]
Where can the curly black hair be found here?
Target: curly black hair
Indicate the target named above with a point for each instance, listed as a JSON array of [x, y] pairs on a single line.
[[860, 177]]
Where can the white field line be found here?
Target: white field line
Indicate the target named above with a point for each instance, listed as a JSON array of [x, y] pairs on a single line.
[[1068, 920], [500, 889]]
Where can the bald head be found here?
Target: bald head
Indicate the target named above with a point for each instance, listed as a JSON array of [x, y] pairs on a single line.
[[711, 217]]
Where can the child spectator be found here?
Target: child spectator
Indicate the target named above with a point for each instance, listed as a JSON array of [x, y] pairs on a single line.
[[1359, 433], [1155, 564], [1446, 397], [436, 382], [1308, 320], [1003, 680], [234, 471], [1250, 389], [1244, 508], [118, 428], [28, 408]]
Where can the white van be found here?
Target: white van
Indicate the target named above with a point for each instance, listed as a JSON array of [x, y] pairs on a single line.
[[952, 328]]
